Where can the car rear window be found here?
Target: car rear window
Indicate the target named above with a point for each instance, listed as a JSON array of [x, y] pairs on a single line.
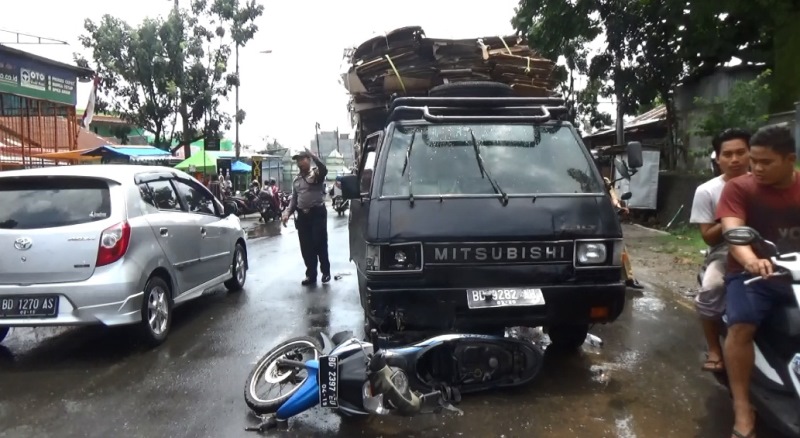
[[47, 202]]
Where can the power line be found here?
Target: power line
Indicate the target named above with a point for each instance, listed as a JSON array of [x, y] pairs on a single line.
[[40, 39]]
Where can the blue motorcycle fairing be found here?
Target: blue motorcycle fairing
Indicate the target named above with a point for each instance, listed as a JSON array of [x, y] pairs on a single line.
[[305, 398]]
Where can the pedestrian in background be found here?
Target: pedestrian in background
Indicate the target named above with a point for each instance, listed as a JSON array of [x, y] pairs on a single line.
[[308, 200], [215, 187]]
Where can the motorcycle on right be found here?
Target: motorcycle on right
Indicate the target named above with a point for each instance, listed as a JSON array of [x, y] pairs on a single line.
[[775, 384]]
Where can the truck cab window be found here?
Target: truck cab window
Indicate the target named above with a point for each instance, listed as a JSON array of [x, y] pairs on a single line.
[[366, 172]]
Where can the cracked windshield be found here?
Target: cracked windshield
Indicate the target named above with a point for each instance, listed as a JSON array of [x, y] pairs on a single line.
[[518, 218]]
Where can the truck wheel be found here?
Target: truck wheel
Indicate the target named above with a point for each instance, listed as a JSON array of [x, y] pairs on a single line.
[[472, 89], [568, 337]]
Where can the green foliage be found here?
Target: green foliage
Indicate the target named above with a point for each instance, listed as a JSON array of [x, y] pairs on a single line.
[[747, 107], [165, 70]]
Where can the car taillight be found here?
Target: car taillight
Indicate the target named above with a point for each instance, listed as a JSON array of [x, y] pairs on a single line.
[[113, 243]]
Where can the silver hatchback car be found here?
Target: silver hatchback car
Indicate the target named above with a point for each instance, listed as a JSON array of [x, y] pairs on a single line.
[[111, 244]]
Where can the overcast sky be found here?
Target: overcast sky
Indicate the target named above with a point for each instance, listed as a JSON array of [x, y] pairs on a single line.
[[287, 91]]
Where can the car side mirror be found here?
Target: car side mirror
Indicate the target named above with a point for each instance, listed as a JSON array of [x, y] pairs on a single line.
[[228, 209], [350, 187], [634, 150], [625, 196]]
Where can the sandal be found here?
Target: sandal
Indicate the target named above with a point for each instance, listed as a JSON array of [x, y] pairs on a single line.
[[714, 366], [738, 434]]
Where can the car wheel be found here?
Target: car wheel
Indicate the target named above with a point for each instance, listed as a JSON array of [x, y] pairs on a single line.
[[568, 337], [156, 311], [4, 332], [238, 270]]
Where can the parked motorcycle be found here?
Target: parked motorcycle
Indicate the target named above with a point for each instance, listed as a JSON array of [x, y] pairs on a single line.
[[775, 384], [349, 375], [285, 199], [340, 205], [247, 203]]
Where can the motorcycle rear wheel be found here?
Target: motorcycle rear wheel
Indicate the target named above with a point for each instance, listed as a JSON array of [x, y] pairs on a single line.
[[267, 369]]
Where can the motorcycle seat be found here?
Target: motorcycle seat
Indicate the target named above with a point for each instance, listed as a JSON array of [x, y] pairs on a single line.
[[784, 323]]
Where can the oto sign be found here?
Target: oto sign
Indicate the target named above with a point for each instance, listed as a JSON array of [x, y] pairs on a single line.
[[37, 80]]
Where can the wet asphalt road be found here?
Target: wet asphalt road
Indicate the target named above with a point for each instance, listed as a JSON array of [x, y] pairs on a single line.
[[645, 381]]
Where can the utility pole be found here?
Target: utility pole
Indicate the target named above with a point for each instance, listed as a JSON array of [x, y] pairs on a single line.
[[620, 94], [337, 140], [238, 147]]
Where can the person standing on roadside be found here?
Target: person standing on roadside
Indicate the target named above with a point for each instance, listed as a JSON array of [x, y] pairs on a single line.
[[215, 187], [732, 152], [627, 268], [308, 200], [767, 200]]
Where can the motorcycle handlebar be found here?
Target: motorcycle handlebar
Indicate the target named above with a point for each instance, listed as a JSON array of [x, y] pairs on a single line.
[[774, 274], [381, 382]]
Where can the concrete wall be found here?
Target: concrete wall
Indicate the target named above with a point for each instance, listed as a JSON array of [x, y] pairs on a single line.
[[674, 190]]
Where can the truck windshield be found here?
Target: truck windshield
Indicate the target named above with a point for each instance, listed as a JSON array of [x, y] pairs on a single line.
[[522, 159]]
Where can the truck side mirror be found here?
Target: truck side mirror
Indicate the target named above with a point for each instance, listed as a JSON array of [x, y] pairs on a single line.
[[635, 159], [350, 187]]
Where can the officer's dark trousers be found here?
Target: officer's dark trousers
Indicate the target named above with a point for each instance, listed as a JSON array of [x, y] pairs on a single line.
[[312, 228]]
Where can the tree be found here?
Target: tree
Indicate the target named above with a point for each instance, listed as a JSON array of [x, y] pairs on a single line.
[[136, 83], [746, 107], [165, 70], [558, 28], [241, 21], [755, 31]]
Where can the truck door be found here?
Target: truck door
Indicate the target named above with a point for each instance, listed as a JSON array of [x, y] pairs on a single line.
[[359, 209]]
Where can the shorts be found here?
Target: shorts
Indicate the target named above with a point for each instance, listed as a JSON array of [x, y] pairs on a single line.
[[710, 301], [753, 303]]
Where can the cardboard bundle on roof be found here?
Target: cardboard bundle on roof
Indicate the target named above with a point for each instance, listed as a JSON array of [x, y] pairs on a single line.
[[406, 63]]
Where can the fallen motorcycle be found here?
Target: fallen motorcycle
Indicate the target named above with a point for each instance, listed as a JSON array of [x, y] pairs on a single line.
[[349, 375]]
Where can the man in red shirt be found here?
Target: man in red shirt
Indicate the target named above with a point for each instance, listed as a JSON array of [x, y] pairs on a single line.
[[768, 200]]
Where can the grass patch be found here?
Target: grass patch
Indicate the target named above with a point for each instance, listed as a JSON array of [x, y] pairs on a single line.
[[684, 242]]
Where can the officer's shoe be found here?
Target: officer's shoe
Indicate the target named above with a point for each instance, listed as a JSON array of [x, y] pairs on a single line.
[[326, 278], [308, 281]]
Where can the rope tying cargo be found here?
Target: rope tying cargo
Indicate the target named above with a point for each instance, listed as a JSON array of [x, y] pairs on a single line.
[[396, 73]]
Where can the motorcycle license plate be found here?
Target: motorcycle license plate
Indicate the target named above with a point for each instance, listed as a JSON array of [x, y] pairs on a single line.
[[329, 381]]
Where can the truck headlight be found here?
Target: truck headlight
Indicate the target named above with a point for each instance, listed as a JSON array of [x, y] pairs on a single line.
[[394, 258], [591, 253]]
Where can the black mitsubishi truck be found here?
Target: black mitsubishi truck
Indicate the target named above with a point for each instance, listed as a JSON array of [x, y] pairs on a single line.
[[481, 213]]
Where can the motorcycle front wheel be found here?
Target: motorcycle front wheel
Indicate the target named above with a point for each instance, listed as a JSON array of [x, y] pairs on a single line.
[[274, 376]]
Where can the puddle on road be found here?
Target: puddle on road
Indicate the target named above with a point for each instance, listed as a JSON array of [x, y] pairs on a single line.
[[270, 229], [648, 304]]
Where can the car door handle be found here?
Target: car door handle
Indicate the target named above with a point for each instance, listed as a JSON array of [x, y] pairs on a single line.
[[164, 231], [203, 231]]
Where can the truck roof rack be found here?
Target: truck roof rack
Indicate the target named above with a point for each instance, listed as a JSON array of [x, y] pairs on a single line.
[[478, 109]]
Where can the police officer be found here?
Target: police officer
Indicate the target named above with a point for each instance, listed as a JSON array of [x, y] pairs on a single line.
[[308, 200]]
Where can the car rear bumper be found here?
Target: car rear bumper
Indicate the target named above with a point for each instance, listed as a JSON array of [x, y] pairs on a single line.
[[447, 308], [106, 298]]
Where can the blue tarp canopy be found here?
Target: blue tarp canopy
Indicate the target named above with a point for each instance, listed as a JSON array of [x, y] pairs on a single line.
[[240, 167], [130, 151]]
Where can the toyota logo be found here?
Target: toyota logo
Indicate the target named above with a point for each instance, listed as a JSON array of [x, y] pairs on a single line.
[[23, 243]]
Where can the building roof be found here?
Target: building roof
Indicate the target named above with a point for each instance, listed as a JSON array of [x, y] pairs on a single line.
[[655, 115], [79, 71], [51, 134]]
